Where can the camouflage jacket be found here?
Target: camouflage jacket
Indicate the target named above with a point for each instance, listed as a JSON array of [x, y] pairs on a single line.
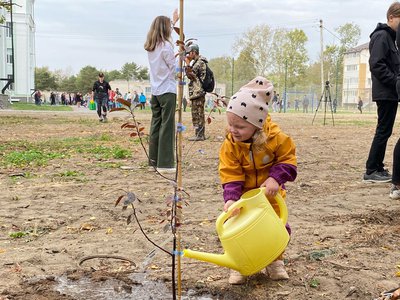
[[199, 69]]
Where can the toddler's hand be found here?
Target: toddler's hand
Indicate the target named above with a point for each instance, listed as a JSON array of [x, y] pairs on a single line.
[[271, 187], [228, 203]]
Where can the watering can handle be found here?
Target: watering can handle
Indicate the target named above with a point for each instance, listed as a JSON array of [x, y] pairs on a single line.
[[226, 215], [282, 208], [239, 204]]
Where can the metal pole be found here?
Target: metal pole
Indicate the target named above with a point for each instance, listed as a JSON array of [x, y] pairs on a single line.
[[285, 99], [322, 56], [233, 72], [12, 41], [337, 79]]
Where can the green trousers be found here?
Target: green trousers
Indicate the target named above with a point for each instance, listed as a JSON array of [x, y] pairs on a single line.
[[162, 131]]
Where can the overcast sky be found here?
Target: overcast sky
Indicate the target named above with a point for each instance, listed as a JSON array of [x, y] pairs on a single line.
[[71, 34]]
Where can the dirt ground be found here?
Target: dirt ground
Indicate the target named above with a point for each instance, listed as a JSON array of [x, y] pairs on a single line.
[[345, 233]]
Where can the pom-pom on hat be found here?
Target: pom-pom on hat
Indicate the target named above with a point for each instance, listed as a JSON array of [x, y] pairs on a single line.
[[251, 101]]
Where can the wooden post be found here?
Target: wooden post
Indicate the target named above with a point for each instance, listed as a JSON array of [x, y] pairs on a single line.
[[179, 151]]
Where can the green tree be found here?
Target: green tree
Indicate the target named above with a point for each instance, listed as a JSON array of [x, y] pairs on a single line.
[[244, 69], [44, 79], [274, 53], [129, 71], [349, 35], [113, 75], [68, 84], [296, 57], [85, 79], [222, 69], [143, 73], [256, 43]]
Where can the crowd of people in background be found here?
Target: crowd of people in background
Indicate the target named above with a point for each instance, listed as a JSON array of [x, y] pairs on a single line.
[[83, 100]]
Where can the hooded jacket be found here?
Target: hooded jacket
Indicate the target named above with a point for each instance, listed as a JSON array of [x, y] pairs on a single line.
[[242, 169], [384, 63]]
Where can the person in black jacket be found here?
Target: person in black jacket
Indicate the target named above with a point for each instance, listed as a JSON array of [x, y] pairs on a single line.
[[100, 95], [395, 189], [384, 63]]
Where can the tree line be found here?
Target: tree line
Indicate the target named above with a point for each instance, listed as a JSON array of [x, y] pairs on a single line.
[[47, 80]]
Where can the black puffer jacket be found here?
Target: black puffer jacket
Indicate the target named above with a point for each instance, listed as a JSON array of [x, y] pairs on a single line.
[[384, 63]]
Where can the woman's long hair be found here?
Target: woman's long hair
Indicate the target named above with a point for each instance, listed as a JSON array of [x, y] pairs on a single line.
[[160, 31]]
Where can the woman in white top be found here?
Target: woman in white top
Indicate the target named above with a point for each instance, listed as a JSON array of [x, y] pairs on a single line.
[[163, 89]]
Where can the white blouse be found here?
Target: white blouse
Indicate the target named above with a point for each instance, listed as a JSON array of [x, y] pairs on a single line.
[[162, 69]]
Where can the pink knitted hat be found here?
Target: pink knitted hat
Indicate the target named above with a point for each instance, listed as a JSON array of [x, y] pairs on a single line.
[[251, 101]]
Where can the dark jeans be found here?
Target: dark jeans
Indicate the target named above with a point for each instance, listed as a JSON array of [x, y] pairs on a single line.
[[386, 116], [162, 131], [101, 101]]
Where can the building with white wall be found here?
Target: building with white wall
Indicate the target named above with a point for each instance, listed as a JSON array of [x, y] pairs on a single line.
[[24, 49], [356, 76]]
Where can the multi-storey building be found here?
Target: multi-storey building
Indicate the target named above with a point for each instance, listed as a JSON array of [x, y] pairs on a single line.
[[20, 34], [356, 76]]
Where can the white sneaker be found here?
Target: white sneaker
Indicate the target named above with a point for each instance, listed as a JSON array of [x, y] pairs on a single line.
[[276, 270], [394, 192], [166, 170]]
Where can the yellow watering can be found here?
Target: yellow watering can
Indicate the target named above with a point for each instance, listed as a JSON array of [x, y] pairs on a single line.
[[251, 240]]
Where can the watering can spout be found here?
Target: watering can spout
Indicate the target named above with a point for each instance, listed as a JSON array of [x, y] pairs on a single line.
[[222, 260]]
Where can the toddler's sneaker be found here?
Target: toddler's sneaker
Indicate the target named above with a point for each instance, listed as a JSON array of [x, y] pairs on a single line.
[[236, 278], [394, 192], [276, 270]]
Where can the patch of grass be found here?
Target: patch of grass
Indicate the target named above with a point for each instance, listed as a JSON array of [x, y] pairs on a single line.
[[71, 173], [355, 122], [314, 283], [18, 234], [86, 121], [24, 153], [11, 120], [13, 145], [104, 137], [120, 153], [110, 152], [30, 157], [109, 165], [31, 106]]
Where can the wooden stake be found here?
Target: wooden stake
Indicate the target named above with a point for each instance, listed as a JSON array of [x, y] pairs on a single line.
[[179, 151]]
